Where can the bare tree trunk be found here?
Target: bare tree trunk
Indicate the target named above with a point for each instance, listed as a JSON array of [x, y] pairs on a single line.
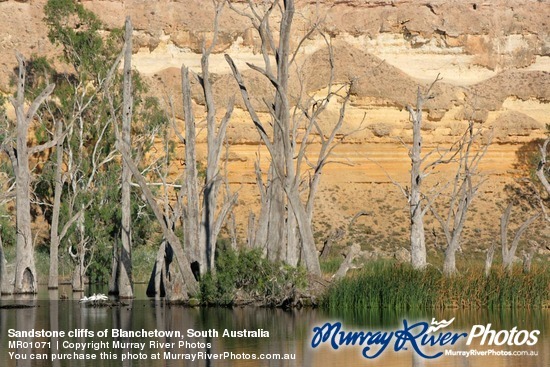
[[527, 260], [292, 250], [125, 288], [189, 281], [192, 214], [353, 253], [463, 192], [309, 250], [489, 259], [115, 261], [160, 273], [449, 263], [417, 235], [79, 274], [25, 271], [53, 280], [250, 231], [203, 226], [509, 252], [215, 137]]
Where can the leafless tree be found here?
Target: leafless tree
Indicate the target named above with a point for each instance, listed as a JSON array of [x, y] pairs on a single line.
[[204, 222], [125, 286], [189, 286], [18, 150], [284, 226], [489, 259], [202, 216], [509, 251], [53, 278], [82, 257], [528, 255], [464, 187], [419, 199]]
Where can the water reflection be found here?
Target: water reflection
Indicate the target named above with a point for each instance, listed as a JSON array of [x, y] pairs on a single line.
[[289, 333]]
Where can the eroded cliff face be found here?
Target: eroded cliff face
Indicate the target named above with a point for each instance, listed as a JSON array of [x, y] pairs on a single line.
[[493, 56]]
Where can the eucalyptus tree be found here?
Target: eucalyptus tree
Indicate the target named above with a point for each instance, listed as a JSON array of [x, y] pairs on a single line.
[[89, 184], [16, 145]]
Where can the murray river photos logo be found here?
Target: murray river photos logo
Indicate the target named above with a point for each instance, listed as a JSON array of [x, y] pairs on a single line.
[[418, 337]]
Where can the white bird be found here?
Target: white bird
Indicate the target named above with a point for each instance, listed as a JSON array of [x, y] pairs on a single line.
[[95, 298]]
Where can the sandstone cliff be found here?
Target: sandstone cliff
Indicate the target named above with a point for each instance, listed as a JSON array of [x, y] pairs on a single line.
[[493, 56]]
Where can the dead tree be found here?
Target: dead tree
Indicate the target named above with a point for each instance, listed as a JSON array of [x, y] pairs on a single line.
[[509, 252], [189, 286], [465, 185], [489, 259], [211, 223], [528, 256], [347, 264], [180, 283], [284, 228], [53, 279], [417, 205], [83, 256], [125, 287], [419, 200], [19, 152], [203, 219]]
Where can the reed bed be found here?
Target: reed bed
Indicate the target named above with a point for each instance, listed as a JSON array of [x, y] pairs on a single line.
[[388, 285]]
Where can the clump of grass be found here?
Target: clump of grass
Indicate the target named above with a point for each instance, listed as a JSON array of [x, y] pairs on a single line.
[[331, 264], [388, 285]]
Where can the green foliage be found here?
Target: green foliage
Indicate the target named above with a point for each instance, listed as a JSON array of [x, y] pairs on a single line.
[[76, 29], [7, 229], [388, 285], [143, 260], [90, 142], [246, 275]]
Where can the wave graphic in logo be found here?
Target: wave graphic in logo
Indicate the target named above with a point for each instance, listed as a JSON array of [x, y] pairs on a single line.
[[436, 325]]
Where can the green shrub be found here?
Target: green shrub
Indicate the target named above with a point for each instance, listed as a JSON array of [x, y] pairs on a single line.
[[245, 275]]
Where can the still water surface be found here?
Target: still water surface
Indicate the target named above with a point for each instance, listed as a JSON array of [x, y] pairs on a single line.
[[290, 332]]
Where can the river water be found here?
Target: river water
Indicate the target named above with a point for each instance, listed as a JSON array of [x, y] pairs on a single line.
[[290, 336]]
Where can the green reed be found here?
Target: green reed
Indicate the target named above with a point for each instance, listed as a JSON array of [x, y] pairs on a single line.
[[388, 285]]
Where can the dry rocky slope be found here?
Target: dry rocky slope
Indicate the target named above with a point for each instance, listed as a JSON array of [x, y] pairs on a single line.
[[493, 56]]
